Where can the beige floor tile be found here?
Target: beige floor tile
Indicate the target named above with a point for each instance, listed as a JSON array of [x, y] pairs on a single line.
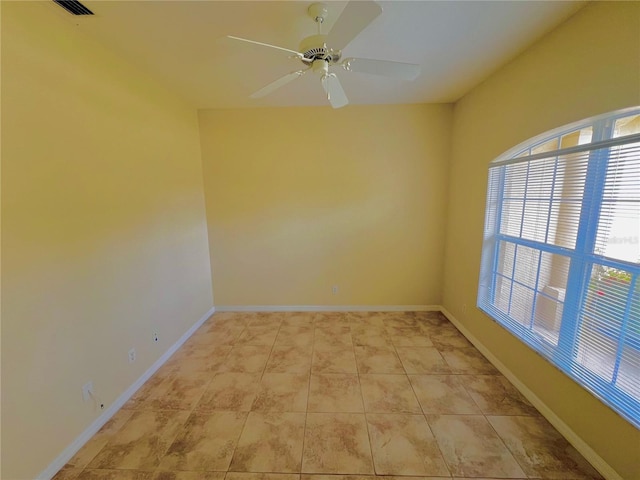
[[371, 477], [237, 321], [289, 359], [246, 358], [372, 319], [170, 367], [230, 391], [422, 360], [174, 475], [200, 337], [333, 360], [370, 335], [471, 448], [270, 442], [261, 476], [178, 392], [443, 394], [411, 340], [402, 321], [540, 449], [431, 315], [331, 319], [206, 443], [436, 330], [306, 476], [229, 318], [299, 336], [114, 475], [335, 392], [142, 394], [82, 458], [333, 337], [215, 336], [201, 351], [336, 443], [67, 473], [359, 327], [197, 359], [334, 324], [258, 336], [298, 319], [282, 392], [450, 340], [372, 340], [468, 360], [377, 360], [141, 441], [225, 334], [495, 395], [404, 445], [388, 394], [266, 319], [403, 331], [393, 477]]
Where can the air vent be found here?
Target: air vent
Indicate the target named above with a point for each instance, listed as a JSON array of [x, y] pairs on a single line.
[[74, 7]]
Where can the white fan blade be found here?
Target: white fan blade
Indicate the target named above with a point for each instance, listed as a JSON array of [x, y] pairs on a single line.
[[293, 52], [273, 86], [407, 71], [355, 17], [335, 94]]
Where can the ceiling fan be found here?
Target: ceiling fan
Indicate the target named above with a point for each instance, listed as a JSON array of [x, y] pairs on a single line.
[[322, 53]]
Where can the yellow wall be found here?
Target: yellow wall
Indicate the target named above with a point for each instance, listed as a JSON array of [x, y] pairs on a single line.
[[104, 229], [299, 200], [589, 65]]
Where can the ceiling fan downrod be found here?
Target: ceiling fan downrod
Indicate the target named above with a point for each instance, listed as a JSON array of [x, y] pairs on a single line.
[[318, 12]]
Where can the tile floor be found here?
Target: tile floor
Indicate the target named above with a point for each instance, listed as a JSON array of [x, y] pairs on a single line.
[[299, 396]]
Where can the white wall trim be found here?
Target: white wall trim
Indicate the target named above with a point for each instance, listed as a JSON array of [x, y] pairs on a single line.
[[68, 453], [572, 437], [328, 308]]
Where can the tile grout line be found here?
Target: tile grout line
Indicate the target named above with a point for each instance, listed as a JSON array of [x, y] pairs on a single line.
[[522, 467], [444, 460], [306, 412], [364, 409], [244, 424], [424, 415]]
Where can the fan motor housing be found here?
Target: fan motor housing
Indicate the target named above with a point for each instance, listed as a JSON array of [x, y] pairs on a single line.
[[314, 48]]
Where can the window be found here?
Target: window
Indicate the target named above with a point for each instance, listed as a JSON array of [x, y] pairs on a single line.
[[561, 253]]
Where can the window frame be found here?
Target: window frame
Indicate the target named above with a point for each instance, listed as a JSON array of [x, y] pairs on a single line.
[[582, 258]]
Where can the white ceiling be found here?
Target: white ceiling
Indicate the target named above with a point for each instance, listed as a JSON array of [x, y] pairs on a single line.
[[182, 43]]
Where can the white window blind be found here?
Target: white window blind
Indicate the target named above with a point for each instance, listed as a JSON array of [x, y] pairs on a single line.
[[561, 253]]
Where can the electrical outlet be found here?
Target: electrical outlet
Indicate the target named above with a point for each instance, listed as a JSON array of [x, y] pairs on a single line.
[[132, 355], [87, 391], [464, 308], [155, 336], [334, 289]]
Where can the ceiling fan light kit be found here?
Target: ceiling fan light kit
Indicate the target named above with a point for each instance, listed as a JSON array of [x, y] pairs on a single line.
[[318, 52]]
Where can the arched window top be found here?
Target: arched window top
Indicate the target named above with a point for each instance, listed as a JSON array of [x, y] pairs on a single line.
[[624, 122]]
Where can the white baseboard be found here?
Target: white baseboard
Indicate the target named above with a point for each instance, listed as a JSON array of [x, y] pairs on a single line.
[[572, 437], [328, 308], [68, 453]]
